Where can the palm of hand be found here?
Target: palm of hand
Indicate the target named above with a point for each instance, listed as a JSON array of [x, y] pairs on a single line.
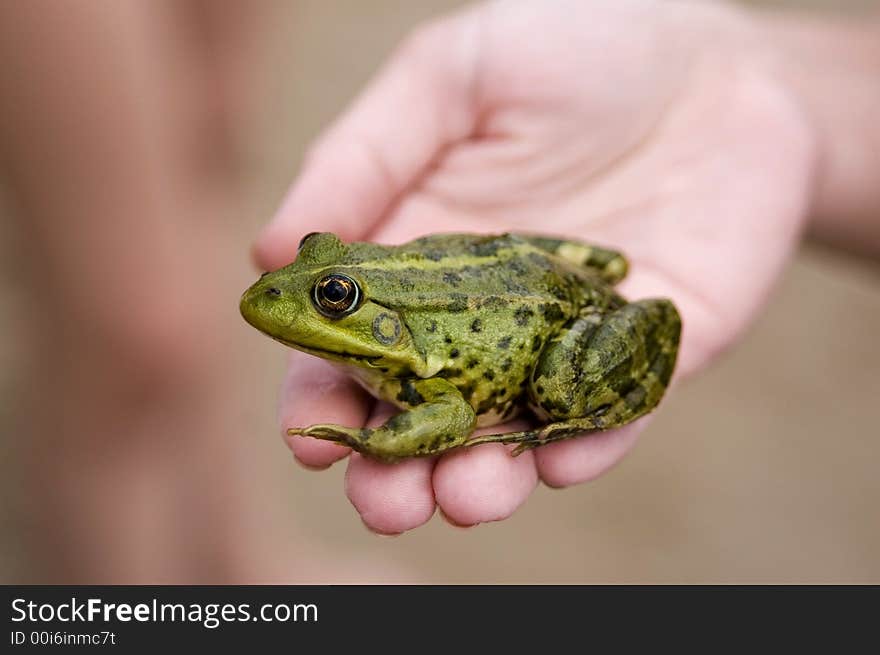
[[695, 167]]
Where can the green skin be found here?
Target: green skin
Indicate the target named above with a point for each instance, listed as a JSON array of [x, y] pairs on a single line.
[[462, 331]]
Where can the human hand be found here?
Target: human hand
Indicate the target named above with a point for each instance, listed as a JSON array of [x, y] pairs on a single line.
[[651, 127]]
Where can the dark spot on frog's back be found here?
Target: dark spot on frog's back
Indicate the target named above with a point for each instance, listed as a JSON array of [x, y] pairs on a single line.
[[467, 391], [453, 353], [522, 315], [515, 288], [518, 267], [458, 302], [432, 327], [493, 302], [504, 343], [552, 312], [477, 325], [539, 260], [450, 373], [508, 363], [409, 394], [558, 292], [487, 248], [452, 278]]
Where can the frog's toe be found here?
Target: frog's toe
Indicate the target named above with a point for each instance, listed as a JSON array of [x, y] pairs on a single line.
[[532, 439], [526, 439], [524, 446], [336, 433], [529, 439]]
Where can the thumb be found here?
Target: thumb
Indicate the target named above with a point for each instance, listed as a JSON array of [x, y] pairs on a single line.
[[419, 102]]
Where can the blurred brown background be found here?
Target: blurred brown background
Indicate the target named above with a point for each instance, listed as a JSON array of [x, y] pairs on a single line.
[[764, 469]]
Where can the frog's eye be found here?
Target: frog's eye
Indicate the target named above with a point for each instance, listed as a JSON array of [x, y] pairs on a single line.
[[336, 295], [302, 241]]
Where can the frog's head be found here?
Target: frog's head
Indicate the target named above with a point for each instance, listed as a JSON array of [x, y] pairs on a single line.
[[321, 304]]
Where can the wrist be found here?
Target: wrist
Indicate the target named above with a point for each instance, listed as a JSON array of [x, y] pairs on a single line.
[[832, 65]]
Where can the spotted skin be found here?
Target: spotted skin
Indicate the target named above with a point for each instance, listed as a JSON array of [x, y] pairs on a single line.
[[603, 371], [462, 331]]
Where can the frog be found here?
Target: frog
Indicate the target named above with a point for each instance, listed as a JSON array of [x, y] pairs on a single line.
[[462, 331]]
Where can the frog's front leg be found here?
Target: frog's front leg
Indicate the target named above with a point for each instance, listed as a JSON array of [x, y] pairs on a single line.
[[602, 372], [439, 419]]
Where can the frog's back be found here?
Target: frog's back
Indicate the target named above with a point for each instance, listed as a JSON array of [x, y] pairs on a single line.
[[474, 275], [479, 308]]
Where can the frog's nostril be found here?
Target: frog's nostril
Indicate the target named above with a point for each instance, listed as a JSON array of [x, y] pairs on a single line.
[[272, 292]]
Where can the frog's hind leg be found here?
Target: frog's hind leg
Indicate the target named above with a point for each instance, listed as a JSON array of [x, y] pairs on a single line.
[[609, 264], [602, 372], [439, 419]]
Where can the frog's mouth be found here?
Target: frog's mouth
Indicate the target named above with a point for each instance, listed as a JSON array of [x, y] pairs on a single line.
[[344, 357]]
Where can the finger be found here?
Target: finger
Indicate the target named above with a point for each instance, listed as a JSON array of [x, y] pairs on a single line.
[[315, 392], [391, 498], [419, 102], [585, 458], [413, 217], [484, 483]]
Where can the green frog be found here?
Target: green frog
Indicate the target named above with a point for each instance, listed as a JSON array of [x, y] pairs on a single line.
[[462, 331]]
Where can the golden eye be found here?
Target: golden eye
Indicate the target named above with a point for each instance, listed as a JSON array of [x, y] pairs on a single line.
[[336, 295]]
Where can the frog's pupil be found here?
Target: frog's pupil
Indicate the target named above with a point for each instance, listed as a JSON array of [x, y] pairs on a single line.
[[335, 291]]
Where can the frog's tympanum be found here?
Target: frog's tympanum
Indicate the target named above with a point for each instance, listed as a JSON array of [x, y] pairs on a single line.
[[461, 331]]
